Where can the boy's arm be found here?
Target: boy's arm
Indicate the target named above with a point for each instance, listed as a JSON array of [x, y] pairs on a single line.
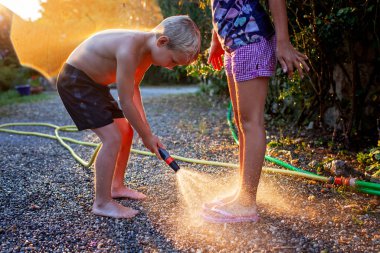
[[125, 73], [286, 54], [138, 103], [137, 94]]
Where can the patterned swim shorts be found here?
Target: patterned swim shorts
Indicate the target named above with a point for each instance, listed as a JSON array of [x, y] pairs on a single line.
[[89, 104], [252, 61]]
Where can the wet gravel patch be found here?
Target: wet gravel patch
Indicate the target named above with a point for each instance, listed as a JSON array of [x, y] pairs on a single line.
[[46, 196]]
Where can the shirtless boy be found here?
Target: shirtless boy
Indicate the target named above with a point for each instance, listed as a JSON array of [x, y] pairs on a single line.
[[121, 57]]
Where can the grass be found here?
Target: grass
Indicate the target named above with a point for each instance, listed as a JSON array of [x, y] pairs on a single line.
[[12, 97]]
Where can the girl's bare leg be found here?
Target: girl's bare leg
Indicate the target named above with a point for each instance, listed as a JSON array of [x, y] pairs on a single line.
[[251, 97], [105, 162], [233, 96], [119, 189]]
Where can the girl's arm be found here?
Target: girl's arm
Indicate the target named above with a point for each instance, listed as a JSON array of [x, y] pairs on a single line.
[[289, 58]]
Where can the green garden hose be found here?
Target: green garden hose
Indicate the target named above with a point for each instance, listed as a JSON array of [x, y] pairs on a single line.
[[364, 187]]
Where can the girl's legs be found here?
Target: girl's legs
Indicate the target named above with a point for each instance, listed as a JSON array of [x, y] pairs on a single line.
[[105, 163], [251, 103], [250, 98], [119, 190], [233, 96]]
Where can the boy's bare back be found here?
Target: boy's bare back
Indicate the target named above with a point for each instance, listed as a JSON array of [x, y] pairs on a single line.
[[97, 56]]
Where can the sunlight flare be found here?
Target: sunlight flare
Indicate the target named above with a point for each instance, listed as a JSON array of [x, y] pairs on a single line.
[[45, 43], [29, 10]]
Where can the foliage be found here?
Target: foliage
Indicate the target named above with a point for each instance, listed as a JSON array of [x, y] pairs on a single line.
[[11, 74], [338, 37], [34, 81], [202, 17], [158, 75], [12, 97], [333, 34], [212, 82], [288, 100], [197, 11], [370, 161]]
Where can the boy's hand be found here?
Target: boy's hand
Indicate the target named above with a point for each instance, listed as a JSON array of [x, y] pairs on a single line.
[[153, 143], [290, 59], [215, 56]]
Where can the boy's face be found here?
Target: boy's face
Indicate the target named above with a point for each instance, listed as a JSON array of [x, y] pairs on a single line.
[[164, 57]]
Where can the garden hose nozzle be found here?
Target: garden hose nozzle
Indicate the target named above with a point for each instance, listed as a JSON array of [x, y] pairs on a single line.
[[168, 159]]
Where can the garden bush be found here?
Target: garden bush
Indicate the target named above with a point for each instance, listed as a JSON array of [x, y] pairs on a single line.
[[11, 74], [341, 93]]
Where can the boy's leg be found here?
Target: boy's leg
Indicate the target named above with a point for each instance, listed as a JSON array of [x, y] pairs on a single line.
[[105, 163], [119, 189]]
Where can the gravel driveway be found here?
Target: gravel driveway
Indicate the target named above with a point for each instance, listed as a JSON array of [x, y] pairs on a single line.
[[46, 196]]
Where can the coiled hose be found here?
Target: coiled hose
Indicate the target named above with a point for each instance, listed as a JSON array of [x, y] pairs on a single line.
[[365, 187]]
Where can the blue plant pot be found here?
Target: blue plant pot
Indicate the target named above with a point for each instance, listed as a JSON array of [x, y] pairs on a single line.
[[23, 90]]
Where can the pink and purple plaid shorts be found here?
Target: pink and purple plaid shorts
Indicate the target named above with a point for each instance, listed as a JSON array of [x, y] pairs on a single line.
[[252, 61]]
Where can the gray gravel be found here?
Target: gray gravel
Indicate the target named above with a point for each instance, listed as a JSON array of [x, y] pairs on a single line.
[[46, 196]]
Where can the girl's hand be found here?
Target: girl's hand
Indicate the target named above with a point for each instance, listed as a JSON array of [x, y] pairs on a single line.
[[290, 59], [215, 56]]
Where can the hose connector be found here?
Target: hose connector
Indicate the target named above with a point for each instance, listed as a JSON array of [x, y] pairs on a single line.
[[347, 181]]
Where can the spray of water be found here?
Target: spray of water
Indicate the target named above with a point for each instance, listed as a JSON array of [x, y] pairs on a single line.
[[196, 188], [185, 227]]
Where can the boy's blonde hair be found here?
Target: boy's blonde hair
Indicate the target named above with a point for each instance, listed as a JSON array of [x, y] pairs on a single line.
[[183, 34]]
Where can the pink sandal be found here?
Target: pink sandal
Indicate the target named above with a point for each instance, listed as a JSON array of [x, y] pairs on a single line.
[[215, 215]]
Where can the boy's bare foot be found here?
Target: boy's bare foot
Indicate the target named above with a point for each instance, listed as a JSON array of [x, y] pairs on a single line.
[[125, 192], [114, 210]]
